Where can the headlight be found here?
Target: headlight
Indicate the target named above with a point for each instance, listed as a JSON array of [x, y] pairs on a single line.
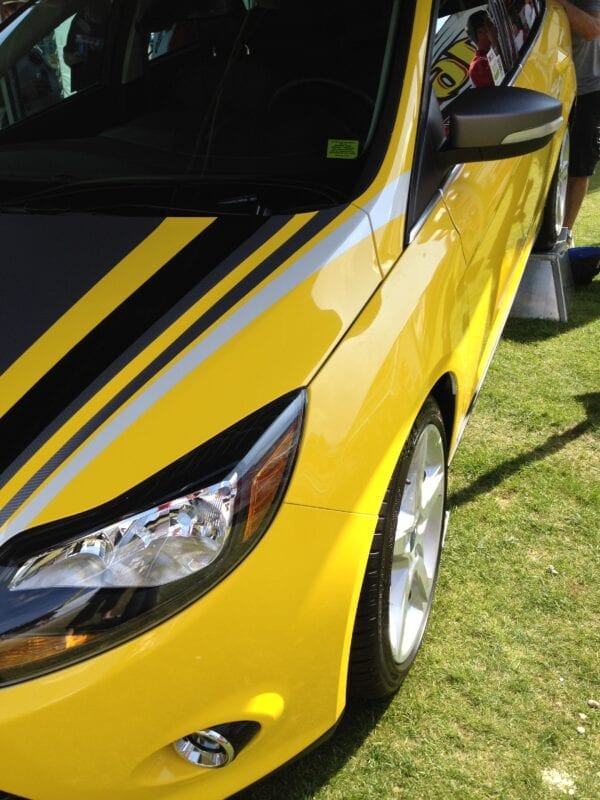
[[159, 546], [81, 585]]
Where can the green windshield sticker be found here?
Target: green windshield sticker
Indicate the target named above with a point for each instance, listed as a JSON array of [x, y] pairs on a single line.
[[342, 148]]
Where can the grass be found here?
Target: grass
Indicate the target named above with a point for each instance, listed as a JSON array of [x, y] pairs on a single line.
[[513, 650]]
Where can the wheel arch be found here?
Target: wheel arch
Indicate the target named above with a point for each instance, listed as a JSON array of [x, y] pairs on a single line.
[[444, 392], [373, 671]]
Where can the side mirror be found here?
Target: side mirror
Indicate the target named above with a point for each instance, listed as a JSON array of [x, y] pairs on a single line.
[[499, 122]]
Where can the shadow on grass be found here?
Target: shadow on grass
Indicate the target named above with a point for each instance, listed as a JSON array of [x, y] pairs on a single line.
[[584, 308], [303, 777], [553, 444]]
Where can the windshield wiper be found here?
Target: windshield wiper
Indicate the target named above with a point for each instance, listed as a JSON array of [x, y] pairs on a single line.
[[245, 200]]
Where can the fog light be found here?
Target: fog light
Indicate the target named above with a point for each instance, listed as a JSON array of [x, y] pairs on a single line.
[[206, 749], [216, 747]]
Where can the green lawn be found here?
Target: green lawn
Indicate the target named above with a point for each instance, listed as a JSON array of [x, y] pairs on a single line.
[[491, 707]]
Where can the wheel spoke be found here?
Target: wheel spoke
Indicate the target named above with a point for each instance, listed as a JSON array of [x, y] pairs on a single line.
[[419, 471], [417, 539], [398, 609], [432, 489], [421, 586], [411, 497], [404, 535]]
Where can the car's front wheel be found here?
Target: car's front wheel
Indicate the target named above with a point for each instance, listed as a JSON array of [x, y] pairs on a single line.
[[401, 573]]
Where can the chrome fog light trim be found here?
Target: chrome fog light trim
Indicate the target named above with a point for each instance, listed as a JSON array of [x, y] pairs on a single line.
[[205, 749]]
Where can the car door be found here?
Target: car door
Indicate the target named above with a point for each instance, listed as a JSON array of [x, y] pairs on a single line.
[[496, 205]]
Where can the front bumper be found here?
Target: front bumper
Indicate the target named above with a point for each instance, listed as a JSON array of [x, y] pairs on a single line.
[[270, 643]]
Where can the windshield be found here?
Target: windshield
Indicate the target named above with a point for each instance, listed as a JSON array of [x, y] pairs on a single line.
[[240, 106]]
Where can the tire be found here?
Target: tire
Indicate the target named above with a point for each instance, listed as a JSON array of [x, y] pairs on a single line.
[[554, 210], [402, 568]]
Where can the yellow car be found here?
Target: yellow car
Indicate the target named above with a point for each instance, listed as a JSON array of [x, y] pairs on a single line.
[[256, 257]]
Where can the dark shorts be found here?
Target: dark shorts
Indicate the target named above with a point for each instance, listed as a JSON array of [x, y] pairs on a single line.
[[585, 135]]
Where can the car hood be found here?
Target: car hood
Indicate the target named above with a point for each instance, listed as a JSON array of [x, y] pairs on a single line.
[[128, 342]]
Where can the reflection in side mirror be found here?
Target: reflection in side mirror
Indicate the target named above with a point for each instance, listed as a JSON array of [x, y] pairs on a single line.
[[499, 122]]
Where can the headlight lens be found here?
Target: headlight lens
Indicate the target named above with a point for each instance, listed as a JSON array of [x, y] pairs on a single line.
[[159, 546], [76, 587]]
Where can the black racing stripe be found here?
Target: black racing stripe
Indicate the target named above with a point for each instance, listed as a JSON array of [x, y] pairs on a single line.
[[238, 255], [66, 380], [49, 263], [253, 279], [209, 281]]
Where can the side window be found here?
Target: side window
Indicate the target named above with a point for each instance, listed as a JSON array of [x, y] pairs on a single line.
[[452, 55], [522, 16], [515, 21], [476, 47], [480, 46], [41, 67], [467, 53]]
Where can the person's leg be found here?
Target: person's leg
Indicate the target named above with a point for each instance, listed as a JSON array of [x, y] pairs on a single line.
[[584, 128], [577, 188]]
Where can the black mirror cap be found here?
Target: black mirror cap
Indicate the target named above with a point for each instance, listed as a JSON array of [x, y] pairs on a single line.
[[500, 122]]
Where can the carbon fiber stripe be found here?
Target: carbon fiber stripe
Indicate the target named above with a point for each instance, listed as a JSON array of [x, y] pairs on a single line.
[[268, 266]]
